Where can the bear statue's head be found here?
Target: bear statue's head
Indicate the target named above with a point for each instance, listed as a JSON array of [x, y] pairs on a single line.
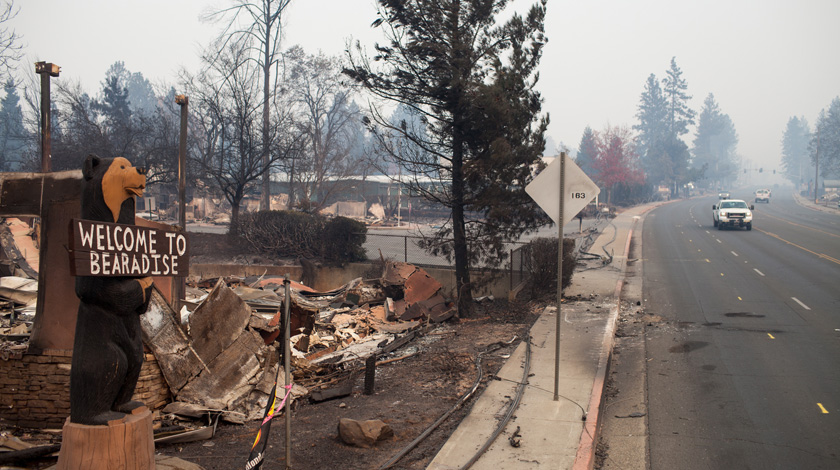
[[111, 181]]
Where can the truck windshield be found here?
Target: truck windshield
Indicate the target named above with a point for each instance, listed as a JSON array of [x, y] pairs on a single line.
[[733, 205]]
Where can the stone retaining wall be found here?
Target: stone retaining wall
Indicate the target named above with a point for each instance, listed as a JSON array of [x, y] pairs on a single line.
[[35, 389]]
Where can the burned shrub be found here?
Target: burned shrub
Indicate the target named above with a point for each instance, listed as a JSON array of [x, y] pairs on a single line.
[[342, 240], [541, 263], [292, 234], [284, 234], [449, 363]]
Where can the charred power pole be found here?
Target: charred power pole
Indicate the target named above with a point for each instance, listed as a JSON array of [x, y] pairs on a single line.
[[46, 70], [182, 101]]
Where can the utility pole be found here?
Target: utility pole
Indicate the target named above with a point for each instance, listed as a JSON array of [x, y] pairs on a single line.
[[180, 282], [46, 70], [183, 102], [817, 169]]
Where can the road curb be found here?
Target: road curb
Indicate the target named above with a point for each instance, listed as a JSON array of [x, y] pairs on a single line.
[[808, 204], [585, 457]]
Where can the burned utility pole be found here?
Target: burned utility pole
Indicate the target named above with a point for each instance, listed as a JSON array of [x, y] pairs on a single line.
[[179, 286], [46, 70], [183, 102]]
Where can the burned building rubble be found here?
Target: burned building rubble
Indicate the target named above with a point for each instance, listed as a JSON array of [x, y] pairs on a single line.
[[219, 354], [222, 354]]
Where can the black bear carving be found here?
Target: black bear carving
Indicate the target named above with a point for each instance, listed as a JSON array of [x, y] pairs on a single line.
[[108, 349]]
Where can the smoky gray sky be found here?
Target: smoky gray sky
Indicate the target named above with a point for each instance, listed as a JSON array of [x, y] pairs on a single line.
[[764, 61]]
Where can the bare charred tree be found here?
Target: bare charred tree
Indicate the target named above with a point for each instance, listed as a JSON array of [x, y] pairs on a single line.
[[10, 47], [257, 25], [227, 146], [79, 131], [328, 120], [471, 82], [108, 126]]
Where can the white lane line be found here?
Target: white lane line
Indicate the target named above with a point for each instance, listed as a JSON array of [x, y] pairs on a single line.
[[759, 272], [707, 231], [800, 303], [736, 254], [718, 240]]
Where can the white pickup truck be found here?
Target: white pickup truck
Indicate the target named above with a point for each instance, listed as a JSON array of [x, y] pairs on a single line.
[[732, 213], [762, 195]]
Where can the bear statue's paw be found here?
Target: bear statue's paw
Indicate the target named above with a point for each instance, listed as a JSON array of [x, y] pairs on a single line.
[[103, 419], [130, 406]]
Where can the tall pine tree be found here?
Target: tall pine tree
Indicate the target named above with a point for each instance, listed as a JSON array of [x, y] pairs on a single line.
[[679, 116], [825, 143], [587, 151], [114, 106], [796, 165], [652, 128], [664, 116], [13, 134], [473, 81], [715, 144]]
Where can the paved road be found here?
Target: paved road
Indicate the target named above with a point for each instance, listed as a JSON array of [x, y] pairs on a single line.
[[743, 371]]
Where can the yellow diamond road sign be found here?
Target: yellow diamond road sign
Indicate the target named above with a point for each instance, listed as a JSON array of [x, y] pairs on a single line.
[[579, 190]]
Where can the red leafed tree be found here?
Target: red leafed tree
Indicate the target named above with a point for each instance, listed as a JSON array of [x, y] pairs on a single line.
[[616, 161]]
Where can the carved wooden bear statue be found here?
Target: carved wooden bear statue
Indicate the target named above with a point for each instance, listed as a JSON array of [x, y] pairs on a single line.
[[108, 348]]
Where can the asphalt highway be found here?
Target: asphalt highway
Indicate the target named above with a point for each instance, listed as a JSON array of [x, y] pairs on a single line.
[[743, 354]]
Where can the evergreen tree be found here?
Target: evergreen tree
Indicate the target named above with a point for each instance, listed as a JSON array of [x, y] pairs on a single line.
[[715, 144], [825, 143], [664, 116], [667, 162], [114, 105], [473, 81], [13, 134], [796, 164], [679, 115], [652, 114], [141, 95], [587, 151]]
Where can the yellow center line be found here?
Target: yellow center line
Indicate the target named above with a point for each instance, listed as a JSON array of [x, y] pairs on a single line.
[[739, 298], [821, 255], [771, 336], [800, 225], [721, 274], [822, 408]]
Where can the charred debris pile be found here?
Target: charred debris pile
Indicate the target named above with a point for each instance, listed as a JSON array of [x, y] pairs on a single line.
[[219, 354]]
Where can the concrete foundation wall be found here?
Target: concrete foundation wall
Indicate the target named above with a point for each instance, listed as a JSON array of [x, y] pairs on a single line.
[[329, 278]]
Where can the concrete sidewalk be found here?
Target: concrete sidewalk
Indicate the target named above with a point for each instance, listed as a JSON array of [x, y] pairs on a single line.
[[553, 434], [809, 203]]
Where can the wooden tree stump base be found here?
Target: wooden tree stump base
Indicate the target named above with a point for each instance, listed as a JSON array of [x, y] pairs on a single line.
[[125, 444]]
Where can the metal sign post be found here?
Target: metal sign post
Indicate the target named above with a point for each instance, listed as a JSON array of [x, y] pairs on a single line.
[[561, 203], [559, 278]]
